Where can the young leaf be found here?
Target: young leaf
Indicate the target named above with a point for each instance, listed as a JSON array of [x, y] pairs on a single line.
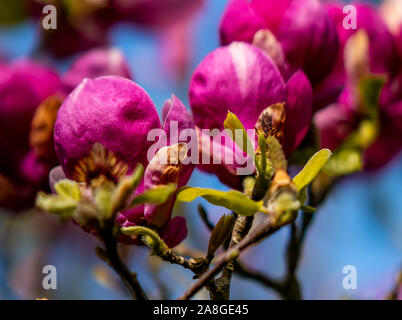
[[344, 162], [233, 125], [157, 195], [232, 200], [150, 237], [125, 188], [220, 233], [312, 168], [68, 189], [63, 206]]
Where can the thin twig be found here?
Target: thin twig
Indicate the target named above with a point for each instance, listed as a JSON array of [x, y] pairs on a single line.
[[291, 284], [204, 216], [245, 272], [112, 256]]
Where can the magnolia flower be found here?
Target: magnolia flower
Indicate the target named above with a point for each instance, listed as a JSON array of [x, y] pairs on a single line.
[[23, 86], [335, 122], [31, 96], [380, 55], [307, 35], [117, 114], [242, 79], [155, 13]]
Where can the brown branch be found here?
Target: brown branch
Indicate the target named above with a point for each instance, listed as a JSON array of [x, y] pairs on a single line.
[[240, 230], [269, 226]]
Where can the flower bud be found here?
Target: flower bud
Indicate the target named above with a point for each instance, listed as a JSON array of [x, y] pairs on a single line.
[[94, 64], [307, 35], [112, 111]]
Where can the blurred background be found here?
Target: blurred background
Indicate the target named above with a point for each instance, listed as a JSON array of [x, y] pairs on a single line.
[[360, 223]]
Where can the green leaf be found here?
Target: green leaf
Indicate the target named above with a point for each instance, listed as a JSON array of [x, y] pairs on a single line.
[[344, 162], [233, 125], [68, 189], [157, 195], [64, 203], [56, 204], [312, 168], [232, 200]]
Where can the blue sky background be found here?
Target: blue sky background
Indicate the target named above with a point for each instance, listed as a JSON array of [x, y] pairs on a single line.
[[359, 224]]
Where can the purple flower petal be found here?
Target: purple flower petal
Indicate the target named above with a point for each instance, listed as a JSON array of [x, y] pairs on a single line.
[[271, 11], [164, 168], [176, 118], [174, 231], [222, 151], [298, 111], [23, 87], [384, 149], [55, 175], [33, 170], [334, 124], [382, 49], [309, 38], [94, 64], [239, 22]]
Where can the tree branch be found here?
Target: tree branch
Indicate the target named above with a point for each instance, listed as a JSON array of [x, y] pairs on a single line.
[[269, 226], [240, 230]]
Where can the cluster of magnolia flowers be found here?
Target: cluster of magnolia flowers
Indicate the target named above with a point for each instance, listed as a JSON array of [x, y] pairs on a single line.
[[287, 70]]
